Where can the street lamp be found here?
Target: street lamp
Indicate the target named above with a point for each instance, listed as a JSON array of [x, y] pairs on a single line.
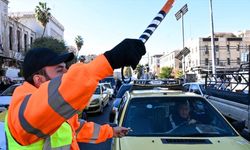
[[178, 15]]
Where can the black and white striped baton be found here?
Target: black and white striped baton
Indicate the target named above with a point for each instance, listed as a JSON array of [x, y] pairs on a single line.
[[152, 27]]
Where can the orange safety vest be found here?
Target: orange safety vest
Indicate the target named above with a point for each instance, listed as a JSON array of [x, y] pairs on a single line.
[[36, 113]]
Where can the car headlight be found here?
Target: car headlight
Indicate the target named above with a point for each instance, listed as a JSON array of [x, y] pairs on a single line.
[[95, 101]]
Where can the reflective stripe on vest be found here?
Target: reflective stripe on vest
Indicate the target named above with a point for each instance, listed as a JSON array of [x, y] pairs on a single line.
[[57, 102], [60, 140], [95, 133]]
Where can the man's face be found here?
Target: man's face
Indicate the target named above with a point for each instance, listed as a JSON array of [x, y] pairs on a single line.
[[55, 71], [184, 111], [48, 73]]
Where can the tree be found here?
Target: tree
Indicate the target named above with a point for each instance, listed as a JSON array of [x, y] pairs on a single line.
[[177, 73], [79, 42], [166, 72], [139, 70], [51, 43], [43, 15]]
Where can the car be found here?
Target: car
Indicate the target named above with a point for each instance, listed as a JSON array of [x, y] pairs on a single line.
[[147, 113], [109, 89], [98, 100], [5, 97], [116, 102], [195, 87], [110, 80]]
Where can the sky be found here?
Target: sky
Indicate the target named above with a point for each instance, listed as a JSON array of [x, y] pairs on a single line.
[[105, 23]]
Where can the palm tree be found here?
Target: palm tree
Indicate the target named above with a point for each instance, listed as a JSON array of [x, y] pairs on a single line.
[[42, 14], [79, 42]]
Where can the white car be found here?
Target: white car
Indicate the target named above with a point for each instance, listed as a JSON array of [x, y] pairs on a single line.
[[109, 89], [5, 97], [195, 87], [98, 100]]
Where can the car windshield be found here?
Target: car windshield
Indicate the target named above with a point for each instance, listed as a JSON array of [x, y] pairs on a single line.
[[107, 85], [110, 80], [9, 91], [123, 89], [175, 117], [98, 90]]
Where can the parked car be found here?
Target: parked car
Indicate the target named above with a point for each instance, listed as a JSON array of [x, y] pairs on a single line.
[[98, 100], [109, 89], [148, 114], [5, 97], [110, 80], [195, 87]]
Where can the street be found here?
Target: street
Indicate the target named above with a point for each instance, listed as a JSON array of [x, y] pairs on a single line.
[[100, 119]]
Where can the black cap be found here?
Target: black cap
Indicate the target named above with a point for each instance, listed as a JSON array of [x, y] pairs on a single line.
[[37, 58]]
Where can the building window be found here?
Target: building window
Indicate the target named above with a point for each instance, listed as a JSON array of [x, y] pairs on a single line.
[[217, 61], [228, 61], [216, 48], [238, 47], [10, 37], [228, 48], [180, 65], [206, 49], [206, 61], [18, 41], [31, 40], [25, 42], [238, 61]]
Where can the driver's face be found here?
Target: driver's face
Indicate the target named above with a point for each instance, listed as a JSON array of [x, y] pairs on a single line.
[[184, 111]]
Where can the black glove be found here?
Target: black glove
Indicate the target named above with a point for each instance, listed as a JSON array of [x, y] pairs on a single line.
[[126, 53]]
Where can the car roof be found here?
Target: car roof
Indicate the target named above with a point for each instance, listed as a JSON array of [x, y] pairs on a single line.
[[193, 83], [160, 93]]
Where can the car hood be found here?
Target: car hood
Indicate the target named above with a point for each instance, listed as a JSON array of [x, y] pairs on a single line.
[[162, 143], [4, 100]]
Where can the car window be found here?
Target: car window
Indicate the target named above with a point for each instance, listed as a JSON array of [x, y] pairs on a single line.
[[110, 80], [152, 117], [186, 87], [107, 85], [9, 91], [195, 88], [98, 90]]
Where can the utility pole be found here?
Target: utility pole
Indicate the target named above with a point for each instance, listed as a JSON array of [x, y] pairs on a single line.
[[212, 38], [178, 15]]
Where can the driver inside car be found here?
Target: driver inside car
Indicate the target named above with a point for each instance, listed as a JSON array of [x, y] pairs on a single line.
[[181, 116]]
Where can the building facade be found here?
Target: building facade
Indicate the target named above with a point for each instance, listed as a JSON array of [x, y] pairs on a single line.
[[169, 60], [154, 66], [228, 53], [53, 28], [17, 32]]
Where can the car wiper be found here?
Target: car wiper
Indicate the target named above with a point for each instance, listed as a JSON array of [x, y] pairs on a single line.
[[206, 134]]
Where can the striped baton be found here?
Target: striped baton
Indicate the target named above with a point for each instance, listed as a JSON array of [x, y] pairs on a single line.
[[152, 27], [156, 21]]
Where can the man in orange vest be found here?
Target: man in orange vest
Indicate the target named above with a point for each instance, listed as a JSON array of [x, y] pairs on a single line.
[[51, 96]]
